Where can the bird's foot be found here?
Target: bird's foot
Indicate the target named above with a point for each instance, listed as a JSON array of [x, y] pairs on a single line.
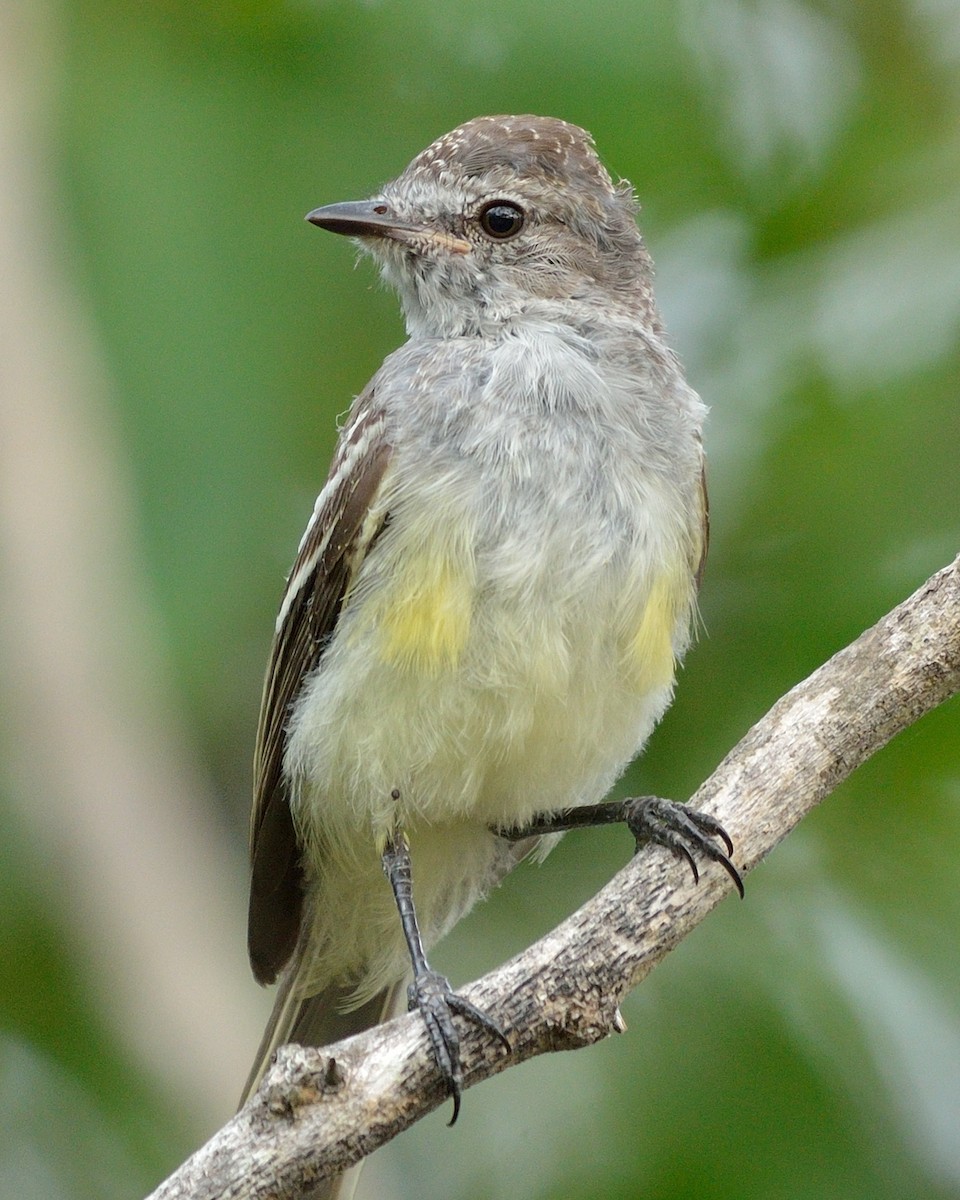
[[436, 1001], [681, 830]]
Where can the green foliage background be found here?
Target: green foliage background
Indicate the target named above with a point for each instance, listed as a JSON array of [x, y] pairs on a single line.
[[799, 168]]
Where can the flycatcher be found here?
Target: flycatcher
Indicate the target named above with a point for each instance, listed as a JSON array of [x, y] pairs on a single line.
[[482, 623]]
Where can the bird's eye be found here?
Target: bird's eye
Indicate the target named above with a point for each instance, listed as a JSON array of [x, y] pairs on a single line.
[[501, 219]]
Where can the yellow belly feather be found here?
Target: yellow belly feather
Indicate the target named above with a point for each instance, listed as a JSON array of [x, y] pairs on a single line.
[[425, 620], [649, 657]]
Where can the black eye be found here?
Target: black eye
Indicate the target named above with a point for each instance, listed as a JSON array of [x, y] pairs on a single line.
[[501, 220]]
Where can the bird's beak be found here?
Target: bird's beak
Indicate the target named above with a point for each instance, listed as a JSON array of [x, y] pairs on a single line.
[[360, 218], [375, 219]]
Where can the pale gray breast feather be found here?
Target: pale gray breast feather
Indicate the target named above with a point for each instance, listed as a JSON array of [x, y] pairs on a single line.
[[533, 390]]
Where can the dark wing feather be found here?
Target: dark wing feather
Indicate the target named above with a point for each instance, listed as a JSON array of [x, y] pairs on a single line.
[[332, 548]]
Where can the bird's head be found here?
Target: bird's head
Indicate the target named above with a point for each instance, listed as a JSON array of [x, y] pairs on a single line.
[[496, 216]]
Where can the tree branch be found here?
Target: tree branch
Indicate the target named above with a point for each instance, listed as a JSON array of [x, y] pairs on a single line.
[[319, 1111]]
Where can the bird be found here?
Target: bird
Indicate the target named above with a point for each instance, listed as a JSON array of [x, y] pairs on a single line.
[[483, 620]]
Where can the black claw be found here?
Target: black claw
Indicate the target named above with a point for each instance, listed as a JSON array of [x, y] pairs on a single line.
[[712, 826], [478, 1017], [680, 829], [734, 874], [691, 862], [434, 998]]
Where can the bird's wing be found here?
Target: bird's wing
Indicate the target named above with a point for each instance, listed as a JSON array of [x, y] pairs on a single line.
[[335, 542]]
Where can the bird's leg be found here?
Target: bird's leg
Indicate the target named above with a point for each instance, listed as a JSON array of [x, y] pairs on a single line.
[[431, 993], [682, 830]]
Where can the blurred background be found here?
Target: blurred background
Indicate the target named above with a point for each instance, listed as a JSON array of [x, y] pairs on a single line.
[[176, 344]]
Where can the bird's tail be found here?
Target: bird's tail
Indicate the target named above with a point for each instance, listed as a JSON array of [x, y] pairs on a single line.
[[319, 1021]]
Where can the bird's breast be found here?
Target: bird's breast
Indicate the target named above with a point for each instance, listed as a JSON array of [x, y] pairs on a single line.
[[510, 639]]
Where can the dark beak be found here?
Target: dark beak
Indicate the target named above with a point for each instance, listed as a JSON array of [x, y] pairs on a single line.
[[360, 218]]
